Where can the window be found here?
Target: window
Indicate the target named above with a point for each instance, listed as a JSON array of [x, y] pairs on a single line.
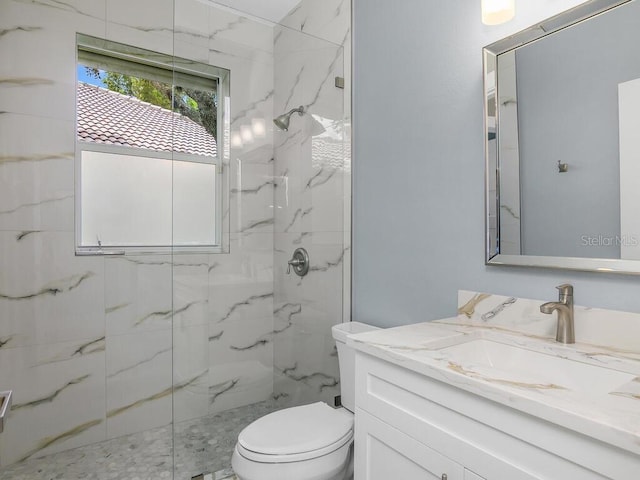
[[151, 132]]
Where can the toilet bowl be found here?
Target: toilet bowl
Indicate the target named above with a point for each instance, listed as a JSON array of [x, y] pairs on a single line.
[[309, 442]]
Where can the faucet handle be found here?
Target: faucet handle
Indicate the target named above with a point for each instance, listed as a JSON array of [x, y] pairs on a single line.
[[566, 289], [566, 293]]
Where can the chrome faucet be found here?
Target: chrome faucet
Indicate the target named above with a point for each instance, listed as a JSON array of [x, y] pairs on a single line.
[[564, 306]]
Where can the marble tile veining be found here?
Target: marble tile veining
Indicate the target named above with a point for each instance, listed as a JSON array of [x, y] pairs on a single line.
[[503, 349], [629, 390], [99, 344], [595, 327]]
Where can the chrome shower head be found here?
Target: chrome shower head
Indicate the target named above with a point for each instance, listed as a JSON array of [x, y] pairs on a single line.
[[282, 122]]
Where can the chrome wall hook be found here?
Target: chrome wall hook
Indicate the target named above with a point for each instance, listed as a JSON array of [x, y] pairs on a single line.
[[563, 167]]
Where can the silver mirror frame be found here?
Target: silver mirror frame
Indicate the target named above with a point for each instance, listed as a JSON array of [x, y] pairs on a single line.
[[566, 19]]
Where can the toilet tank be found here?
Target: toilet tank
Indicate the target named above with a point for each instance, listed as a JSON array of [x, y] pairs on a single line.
[[347, 359]]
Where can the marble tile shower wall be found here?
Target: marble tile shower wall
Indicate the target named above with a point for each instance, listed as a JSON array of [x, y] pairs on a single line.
[[88, 343], [312, 168], [331, 21]]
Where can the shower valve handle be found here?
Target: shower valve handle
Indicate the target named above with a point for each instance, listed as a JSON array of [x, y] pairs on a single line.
[[299, 262], [295, 262]]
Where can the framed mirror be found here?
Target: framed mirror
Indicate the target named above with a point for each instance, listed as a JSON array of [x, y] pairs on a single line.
[[562, 130]]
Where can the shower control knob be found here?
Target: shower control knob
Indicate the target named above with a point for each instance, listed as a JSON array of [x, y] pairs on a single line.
[[299, 262]]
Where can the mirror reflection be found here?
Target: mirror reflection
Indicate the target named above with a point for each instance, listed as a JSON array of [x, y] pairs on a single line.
[[563, 143]]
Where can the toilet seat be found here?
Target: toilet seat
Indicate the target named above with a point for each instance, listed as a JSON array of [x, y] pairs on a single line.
[[296, 434], [294, 457]]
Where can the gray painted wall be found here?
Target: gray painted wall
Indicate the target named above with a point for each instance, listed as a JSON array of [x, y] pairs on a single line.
[[418, 204], [568, 111]]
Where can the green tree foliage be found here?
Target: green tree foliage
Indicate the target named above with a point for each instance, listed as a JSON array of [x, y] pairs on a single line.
[[200, 106]]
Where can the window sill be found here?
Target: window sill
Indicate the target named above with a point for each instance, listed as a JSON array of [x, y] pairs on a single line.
[[128, 251]]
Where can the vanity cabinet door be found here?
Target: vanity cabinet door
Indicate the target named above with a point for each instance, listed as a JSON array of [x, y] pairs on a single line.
[[383, 452]]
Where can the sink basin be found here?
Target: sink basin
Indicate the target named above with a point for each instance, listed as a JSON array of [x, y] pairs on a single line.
[[522, 368]]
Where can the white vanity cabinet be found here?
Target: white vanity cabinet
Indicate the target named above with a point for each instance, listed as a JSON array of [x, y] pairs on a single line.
[[412, 426], [388, 453]]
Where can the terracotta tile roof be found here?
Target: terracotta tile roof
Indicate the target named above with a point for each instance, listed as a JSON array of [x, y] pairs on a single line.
[[327, 152], [111, 118]]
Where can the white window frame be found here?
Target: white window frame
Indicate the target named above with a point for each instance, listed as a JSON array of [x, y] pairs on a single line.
[[221, 160]]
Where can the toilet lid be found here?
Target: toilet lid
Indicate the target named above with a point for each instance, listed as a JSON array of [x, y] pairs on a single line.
[[297, 430]]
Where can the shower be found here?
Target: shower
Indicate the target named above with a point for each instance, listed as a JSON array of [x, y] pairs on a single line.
[[282, 122], [149, 364]]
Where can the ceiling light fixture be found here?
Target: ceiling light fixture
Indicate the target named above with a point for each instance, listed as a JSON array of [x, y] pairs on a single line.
[[495, 12]]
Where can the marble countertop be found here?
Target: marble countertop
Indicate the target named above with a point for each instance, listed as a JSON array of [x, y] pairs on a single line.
[[611, 415]]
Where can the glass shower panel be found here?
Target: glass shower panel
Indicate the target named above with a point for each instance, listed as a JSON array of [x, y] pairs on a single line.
[[310, 169], [223, 355], [248, 338], [86, 341]]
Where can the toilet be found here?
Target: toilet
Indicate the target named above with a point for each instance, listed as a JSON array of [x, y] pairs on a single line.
[[310, 442]]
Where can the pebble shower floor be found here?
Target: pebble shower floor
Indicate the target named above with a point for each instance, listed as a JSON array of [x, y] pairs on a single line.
[[203, 446]]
